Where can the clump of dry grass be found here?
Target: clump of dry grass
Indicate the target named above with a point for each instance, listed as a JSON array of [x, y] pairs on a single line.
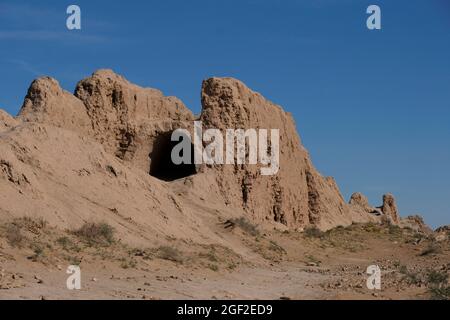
[[127, 263], [313, 232], [435, 280], [371, 227], [213, 267], [438, 285], [243, 224], [312, 259], [395, 230], [38, 253], [169, 253], [68, 244], [431, 249], [412, 278], [96, 234], [32, 224], [14, 235], [210, 255], [15, 231], [274, 246]]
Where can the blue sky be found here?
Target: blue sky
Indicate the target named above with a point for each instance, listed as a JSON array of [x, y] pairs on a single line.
[[372, 107]]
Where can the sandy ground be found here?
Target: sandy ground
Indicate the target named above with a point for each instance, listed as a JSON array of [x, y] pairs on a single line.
[[280, 265], [247, 283]]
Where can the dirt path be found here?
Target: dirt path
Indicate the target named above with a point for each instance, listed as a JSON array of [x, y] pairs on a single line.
[[274, 282]]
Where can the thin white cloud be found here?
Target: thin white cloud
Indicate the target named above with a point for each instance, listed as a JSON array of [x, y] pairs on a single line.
[[25, 66], [32, 22], [15, 11], [46, 35]]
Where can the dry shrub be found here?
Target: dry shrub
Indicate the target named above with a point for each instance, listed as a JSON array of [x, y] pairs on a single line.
[[243, 224], [169, 253], [438, 285], [96, 234], [431, 249], [313, 232], [14, 235]]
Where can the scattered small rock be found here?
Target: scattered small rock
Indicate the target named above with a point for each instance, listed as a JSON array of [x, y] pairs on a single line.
[[39, 280]]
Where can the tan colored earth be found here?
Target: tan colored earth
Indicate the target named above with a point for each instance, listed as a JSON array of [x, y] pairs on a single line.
[[85, 179]]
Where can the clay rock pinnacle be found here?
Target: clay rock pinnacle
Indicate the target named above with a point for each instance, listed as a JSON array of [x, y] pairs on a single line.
[[46, 102], [359, 200], [6, 121], [389, 208], [126, 118], [297, 195]]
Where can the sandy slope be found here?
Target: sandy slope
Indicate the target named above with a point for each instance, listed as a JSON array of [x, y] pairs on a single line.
[[272, 265]]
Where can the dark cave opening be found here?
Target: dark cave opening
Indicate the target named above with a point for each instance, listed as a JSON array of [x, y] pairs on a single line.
[[161, 164]]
